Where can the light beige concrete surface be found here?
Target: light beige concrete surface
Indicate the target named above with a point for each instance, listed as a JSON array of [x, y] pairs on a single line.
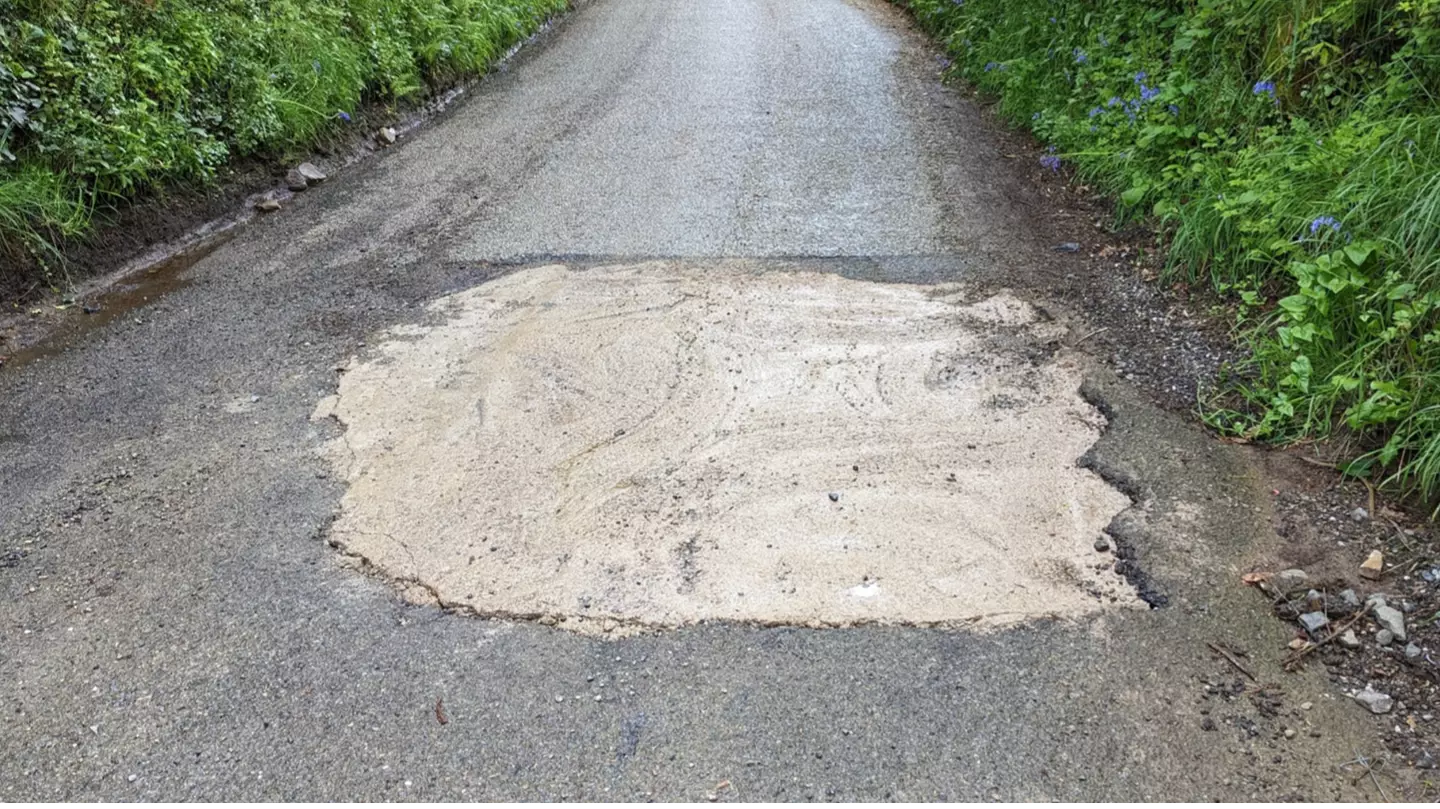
[[656, 445]]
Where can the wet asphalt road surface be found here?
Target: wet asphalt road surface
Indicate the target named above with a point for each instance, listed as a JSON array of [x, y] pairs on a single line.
[[175, 626]]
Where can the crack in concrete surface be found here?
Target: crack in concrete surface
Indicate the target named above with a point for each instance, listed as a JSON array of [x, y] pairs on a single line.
[[662, 444]]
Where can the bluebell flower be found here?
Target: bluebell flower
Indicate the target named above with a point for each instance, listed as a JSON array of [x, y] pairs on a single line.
[[1148, 93], [1051, 162], [1262, 87], [1174, 110], [1141, 76], [1113, 101], [989, 66], [1094, 111], [1324, 221], [344, 116], [1080, 57]]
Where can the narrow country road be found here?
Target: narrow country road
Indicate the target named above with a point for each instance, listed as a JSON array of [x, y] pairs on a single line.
[[681, 416]]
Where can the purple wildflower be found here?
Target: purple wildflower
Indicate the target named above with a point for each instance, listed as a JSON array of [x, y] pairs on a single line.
[[1174, 110], [1264, 87], [1149, 93], [1141, 76], [1051, 162], [1095, 111], [989, 66], [1324, 221], [344, 116], [1080, 57], [1114, 100]]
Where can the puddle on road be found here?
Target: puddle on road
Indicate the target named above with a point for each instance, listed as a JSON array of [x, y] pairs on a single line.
[[658, 445], [131, 292]]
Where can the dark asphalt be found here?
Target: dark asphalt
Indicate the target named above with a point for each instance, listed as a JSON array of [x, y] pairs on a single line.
[[174, 625]]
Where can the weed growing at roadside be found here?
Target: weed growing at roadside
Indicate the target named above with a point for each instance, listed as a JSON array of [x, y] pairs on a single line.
[[101, 100], [1289, 151]]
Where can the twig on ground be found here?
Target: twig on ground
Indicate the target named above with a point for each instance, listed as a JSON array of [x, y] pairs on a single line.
[[1362, 761], [1225, 653], [1400, 535], [1295, 657], [1101, 330]]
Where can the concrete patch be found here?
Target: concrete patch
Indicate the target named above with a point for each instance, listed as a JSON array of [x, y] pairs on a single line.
[[657, 445]]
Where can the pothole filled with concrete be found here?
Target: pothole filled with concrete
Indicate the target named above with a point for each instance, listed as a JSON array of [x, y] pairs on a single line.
[[658, 445]]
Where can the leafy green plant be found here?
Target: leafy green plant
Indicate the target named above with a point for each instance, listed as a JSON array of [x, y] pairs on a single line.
[[1289, 151], [103, 100]]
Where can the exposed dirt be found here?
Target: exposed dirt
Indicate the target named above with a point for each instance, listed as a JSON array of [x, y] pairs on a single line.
[[1328, 531]]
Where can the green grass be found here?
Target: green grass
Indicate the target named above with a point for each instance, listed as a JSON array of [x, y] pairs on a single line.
[[37, 207], [104, 100], [1288, 151]]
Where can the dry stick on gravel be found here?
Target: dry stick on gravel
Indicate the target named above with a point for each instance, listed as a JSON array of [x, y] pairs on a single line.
[[1091, 334], [1369, 487], [1296, 656], [1369, 770], [1400, 535], [1225, 653]]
